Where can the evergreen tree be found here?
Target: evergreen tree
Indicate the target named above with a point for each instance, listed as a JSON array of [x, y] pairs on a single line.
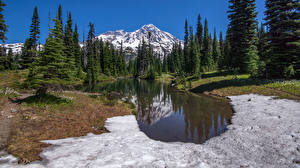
[[199, 32], [3, 59], [91, 77], [194, 53], [35, 30], [69, 45], [165, 65], [60, 17], [227, 52], [3, 26], [50, 68], [30, 48], [216, 50], [207, 60], [221, 44], [186, 47], [77, 53], [11, 60], [282, 20], [242, 27]]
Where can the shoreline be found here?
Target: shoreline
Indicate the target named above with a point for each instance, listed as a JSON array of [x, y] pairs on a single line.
[[269, 137]]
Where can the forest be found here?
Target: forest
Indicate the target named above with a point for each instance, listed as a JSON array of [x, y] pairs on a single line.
[[267, 50]]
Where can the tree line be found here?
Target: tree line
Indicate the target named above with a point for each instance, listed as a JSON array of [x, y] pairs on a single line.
[[269, 51]]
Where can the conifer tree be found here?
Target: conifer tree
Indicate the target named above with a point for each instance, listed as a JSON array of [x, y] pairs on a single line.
[[60, 17], [77, 53], [227, 52], [221, 44], [30, 48], [50, 68], [69, 45], [91, 76], [35, 30], [186, 47], [207, 60], [216, 50], [11, 60], [242, 27], [165, 65], [199, 32], [3, 26], [282, 20], [3, 59]]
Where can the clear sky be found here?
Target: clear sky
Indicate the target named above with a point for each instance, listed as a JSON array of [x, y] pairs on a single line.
[[168, 15]]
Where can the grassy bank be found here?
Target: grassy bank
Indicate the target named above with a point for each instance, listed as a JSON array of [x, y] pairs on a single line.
[[58, 115], [226, 84]]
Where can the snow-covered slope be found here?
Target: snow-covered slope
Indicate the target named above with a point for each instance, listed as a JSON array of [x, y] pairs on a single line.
[[16, 47], [160, 40]]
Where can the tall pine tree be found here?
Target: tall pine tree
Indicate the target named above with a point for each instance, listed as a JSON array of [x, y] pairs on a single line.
[[50, 68], [282, 20], [242, 35]]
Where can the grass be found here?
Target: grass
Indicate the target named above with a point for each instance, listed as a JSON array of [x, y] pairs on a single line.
[[222, 84], [165, 77], [48, 99]]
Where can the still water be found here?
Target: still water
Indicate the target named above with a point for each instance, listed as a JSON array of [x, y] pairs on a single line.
[[166, 114]]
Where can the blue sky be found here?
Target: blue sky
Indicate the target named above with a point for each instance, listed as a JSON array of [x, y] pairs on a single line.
[[168, 15]]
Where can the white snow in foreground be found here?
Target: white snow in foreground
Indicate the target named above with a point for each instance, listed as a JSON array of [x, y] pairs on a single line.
[[265, 133]]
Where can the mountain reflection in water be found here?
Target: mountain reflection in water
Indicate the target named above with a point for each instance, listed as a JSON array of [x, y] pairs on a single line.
[[166, 114]]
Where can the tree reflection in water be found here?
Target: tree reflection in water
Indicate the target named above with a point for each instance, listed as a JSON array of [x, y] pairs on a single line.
[[169, 115]]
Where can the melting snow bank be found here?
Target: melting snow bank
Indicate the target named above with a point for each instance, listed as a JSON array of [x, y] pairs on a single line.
[[265, 133]]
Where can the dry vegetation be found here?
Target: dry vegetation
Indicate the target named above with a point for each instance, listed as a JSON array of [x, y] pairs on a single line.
[[33, 124], [73, 115]]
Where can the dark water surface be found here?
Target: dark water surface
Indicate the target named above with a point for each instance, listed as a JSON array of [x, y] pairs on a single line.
[[166, 114]]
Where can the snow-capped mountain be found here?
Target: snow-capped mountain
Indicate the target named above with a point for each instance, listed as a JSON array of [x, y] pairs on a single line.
[[16, 47], [161, 41]]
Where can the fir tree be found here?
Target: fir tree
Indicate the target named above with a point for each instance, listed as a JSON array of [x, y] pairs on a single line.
[[282, 20], [199, 32], [35, 30], [91, 77], [3, 26], [69, 45], [221, 44], [207, 60], [50, 68], [186, 47], [30, 50], [60, 17], [216, 50], [77, 53], [11, 60], [3, 59], [242, 27]]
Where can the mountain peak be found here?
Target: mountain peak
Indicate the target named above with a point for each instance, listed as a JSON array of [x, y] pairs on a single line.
[[162, 42], [149, 27]]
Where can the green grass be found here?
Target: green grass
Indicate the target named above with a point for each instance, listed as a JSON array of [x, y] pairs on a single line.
[[165, 77], [225, 84], [47, 100]]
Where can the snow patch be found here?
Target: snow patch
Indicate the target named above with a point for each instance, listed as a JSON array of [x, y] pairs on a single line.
[[265, 132]]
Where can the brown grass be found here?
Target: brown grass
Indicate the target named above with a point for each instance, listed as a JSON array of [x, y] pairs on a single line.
[[33, 124]]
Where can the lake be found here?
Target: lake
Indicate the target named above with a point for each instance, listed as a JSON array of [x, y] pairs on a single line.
[[169, 115]]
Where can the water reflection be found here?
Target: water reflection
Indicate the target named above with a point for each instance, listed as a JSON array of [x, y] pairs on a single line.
[[169, 115]]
